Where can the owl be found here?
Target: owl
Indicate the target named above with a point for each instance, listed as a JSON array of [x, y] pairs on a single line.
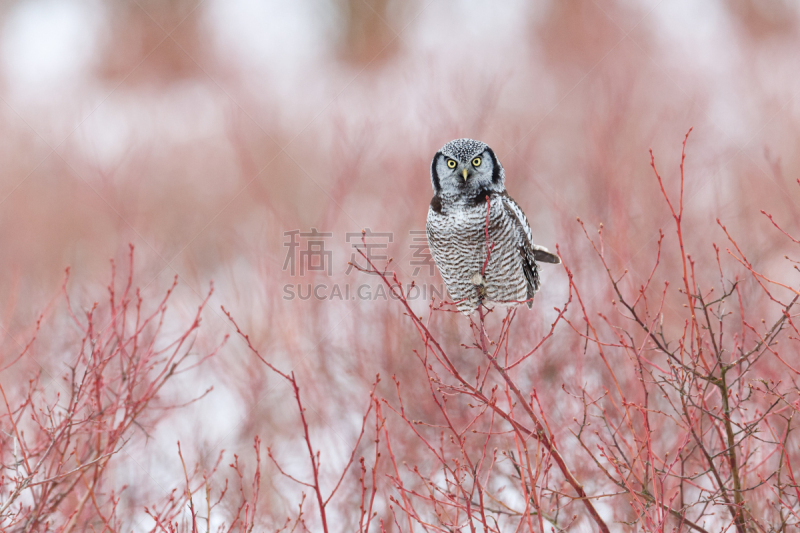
[[469, 198]]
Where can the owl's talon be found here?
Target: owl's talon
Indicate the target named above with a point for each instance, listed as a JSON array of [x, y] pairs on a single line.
[[480, 283]]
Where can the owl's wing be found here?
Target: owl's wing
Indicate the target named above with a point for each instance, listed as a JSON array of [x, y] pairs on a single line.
[[540, 253], [531, 253]]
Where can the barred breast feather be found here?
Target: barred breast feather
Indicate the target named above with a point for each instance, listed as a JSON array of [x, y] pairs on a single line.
[[457, 238]]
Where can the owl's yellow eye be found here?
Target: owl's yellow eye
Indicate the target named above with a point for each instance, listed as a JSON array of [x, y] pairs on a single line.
[[476, 162], [451, 163]]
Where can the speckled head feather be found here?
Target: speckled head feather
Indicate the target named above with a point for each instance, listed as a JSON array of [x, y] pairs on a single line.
[[463, 149]]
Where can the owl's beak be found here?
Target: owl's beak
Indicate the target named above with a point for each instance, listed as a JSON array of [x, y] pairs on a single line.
[[464, 172]]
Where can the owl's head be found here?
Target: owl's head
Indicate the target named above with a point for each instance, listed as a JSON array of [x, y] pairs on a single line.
[[465, 168]]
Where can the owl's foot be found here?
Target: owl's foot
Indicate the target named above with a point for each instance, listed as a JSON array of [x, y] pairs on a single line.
[[480, 283]]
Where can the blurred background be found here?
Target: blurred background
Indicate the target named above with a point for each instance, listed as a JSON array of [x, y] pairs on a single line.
[[215, 135]]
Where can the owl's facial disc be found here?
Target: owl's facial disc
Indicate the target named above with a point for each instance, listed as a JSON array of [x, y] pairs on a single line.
[[464, 168]]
